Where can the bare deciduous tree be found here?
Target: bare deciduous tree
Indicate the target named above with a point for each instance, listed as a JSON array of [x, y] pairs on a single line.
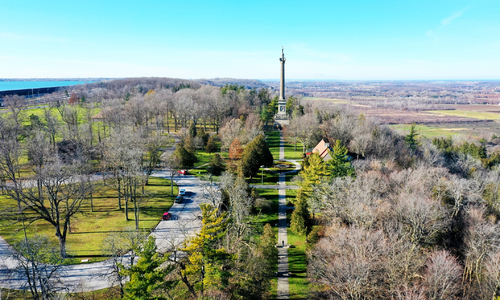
[[350, 263], [39, 263], [443, 276]]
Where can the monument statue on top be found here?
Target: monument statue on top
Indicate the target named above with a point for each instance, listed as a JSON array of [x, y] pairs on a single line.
[[281, 115]]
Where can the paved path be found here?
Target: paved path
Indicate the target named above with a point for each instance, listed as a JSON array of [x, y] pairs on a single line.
[[283, 289], [91, 276], [275, 187], [170, 234]]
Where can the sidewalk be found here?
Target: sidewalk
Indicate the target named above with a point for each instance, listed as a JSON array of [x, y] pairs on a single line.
[[283, 288]]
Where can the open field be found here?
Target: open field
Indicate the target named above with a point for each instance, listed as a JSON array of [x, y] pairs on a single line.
[[431, 131], [480, 115], [393, 116], [479, 107], [89, 229], [474, 130], [339, 101]]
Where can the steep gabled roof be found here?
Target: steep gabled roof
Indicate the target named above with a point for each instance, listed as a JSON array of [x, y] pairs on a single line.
[[322, 149]]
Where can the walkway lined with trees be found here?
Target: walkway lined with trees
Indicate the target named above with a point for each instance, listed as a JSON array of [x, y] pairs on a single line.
[[283, 289]]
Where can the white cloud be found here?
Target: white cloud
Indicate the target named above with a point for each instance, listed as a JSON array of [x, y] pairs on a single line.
[[447, 21]]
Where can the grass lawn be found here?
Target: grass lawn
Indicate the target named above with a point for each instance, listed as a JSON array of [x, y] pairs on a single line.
[[40, 112], [269, 178], [467, 114], [89, 229], [273, 140], [203, 157], [269, 212], [298, 282], [430, 131], [291, 153]]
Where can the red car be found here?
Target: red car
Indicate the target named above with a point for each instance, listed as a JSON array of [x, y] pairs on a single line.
[[183, 172], [167, 216]]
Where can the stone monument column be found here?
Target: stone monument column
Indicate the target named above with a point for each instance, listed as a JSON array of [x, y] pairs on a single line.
[[282, 78], [282, 101]]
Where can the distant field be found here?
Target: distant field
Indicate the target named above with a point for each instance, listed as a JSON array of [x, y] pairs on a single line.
[[326, 99], [468, 114], [474, 130], [430, 131]]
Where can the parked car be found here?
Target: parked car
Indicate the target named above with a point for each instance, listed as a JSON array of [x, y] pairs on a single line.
[[166, 216], [179, 199], [182, 172], [182, 192]]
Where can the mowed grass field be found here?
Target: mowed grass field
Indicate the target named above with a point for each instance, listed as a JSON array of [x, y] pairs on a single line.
[[273, 141], [481, 115], [89, 229], [469, 130], [297, 263], [430, 131]]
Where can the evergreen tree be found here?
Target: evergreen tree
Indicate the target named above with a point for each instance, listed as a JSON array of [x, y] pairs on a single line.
[[192, 130], [314, 170], [411, 138], [300, 215], [268, 246], [291, 104], [216, 166], [256, 153], [265, 115], [147, 276], [340, 163], [211, 144], [313, 237], [187, 159], [204, 136], [273, 106], [205, 258]]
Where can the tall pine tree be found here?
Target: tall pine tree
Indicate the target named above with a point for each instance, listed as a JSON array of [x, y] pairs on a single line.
[[340, 163], [147, 277]]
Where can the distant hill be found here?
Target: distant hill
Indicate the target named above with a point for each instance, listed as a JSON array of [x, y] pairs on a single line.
[[248, 83]]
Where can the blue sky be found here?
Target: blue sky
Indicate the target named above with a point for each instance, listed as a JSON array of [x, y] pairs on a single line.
[[345, 40]]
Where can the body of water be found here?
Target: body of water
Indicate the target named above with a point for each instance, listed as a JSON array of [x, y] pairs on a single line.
[[21, 85]]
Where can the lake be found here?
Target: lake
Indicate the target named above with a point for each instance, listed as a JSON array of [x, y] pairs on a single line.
[[20, 85]]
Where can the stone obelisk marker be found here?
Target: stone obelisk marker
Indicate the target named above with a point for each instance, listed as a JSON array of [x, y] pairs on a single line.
[[282, 101]]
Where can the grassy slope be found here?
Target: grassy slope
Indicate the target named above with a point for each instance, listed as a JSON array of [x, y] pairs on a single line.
[[89, 229]]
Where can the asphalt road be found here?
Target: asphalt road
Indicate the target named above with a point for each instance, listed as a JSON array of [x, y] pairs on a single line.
[[92, 276]]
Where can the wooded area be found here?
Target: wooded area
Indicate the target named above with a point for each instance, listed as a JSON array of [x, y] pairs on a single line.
[[389, 216]]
